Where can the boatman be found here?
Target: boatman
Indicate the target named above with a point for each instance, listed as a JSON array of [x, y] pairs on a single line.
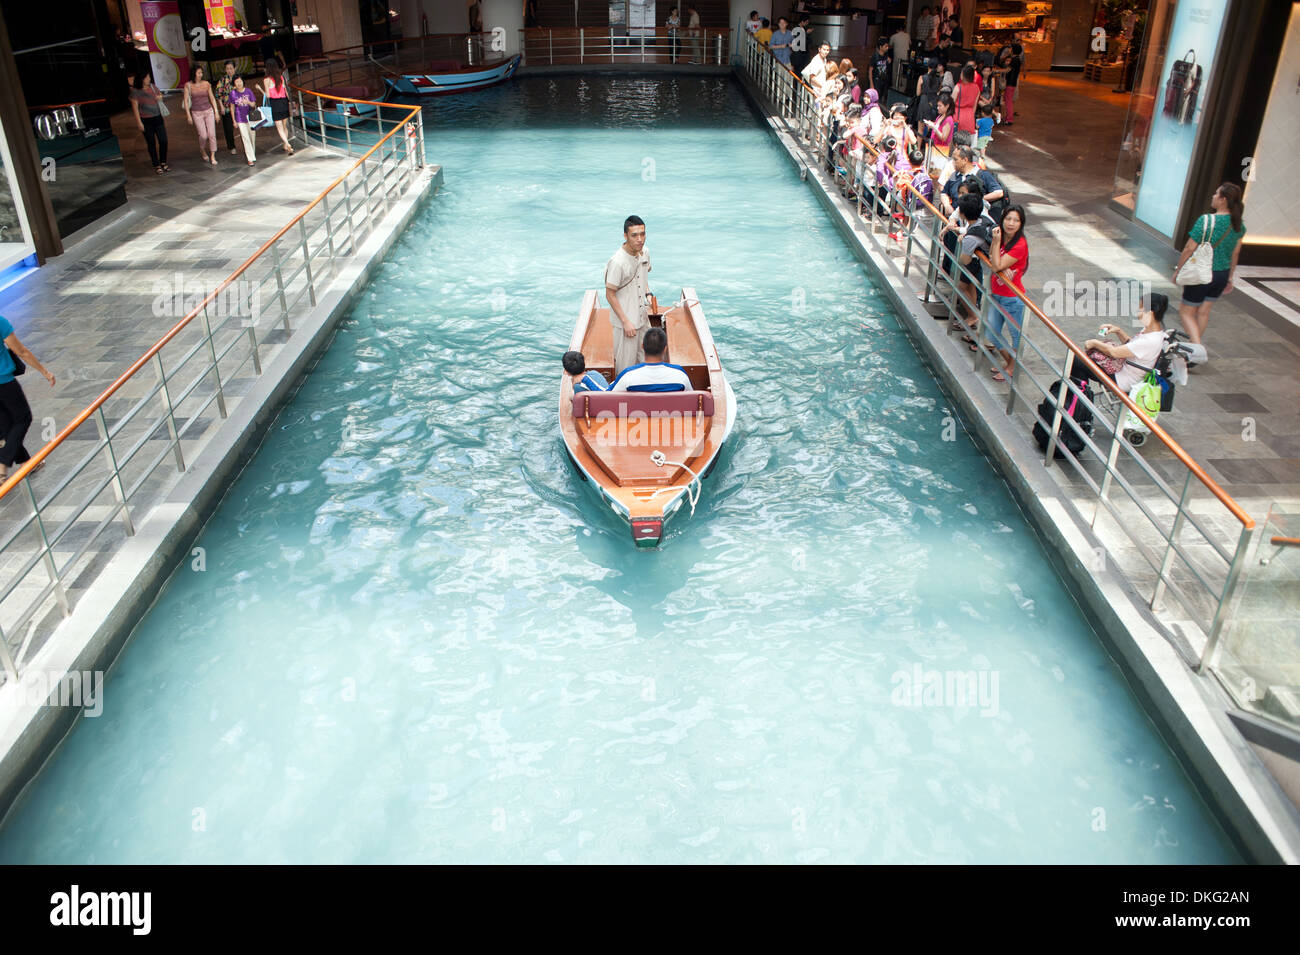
[[627, 290]]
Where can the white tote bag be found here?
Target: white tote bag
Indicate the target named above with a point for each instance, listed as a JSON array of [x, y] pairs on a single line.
[[1199, 269]]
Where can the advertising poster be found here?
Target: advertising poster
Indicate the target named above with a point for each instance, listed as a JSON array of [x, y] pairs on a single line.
[[1180, 101], [166, 40]]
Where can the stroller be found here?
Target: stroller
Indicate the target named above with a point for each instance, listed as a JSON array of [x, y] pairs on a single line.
[[1155, 393]]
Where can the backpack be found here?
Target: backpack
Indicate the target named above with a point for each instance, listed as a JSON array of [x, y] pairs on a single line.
[[1076, 418]]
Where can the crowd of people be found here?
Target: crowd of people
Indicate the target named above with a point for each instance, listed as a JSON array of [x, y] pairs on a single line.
[[203, 102], [923, 113]]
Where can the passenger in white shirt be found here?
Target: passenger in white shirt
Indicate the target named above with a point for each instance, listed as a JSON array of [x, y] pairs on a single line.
[[653, 374]]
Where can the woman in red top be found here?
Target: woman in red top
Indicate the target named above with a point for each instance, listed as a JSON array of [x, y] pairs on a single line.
[[965, 97], [1009, 253]]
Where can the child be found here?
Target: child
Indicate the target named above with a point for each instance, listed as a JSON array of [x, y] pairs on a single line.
[[983, 130], [583, 380]]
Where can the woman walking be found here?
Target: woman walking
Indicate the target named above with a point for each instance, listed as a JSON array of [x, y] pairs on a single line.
[[1224, 230], [965, 98], [201, 113], [277, 92], [674, 24], [224, 86], [1011, 62], [1009, 255], [149, 110], [15, 413], [241, 101]]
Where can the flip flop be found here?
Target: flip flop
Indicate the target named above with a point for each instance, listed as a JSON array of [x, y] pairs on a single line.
[[969, 341], [998, 376]]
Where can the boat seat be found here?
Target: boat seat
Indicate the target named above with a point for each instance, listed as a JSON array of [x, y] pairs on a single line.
[[622, 404], [348, 92]]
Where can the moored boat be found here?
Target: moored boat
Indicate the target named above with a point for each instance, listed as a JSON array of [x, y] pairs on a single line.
[[648, 453], [451, 77], [339, 107]]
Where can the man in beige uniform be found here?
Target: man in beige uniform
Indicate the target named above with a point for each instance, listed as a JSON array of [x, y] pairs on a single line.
[[627, 289]]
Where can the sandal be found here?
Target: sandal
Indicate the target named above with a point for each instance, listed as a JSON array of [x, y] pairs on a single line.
[[998, 376], [158, 170], [969, 341]]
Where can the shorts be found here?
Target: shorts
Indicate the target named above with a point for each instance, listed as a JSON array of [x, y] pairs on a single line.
[[982, 143], [1210, 291], [279, 108]]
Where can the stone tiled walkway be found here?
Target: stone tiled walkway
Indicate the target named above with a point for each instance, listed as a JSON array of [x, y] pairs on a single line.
[[91, 312]]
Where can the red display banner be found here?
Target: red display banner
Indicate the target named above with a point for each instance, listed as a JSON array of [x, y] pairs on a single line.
[[168, 51]]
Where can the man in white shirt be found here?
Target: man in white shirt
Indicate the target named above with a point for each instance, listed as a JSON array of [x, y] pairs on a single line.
[[753, 23], [627, 290], [654, 374], [901, 43], [814, 74]]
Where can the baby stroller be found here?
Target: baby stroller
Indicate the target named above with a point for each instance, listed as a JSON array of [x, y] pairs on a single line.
[[1155, 393]]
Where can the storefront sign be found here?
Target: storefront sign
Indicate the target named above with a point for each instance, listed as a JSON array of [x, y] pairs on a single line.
[[59, 122], [166, 40], [1180, 101]]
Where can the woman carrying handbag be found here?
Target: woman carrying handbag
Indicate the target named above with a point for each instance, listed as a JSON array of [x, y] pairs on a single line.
[[1209, 259]]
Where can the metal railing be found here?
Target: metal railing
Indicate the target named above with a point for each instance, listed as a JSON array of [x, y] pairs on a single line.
[[617, 46], [1191, 558], [132, 439]]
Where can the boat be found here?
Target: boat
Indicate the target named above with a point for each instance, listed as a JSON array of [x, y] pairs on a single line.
[[647, 454], [449, 76], [340, 114]]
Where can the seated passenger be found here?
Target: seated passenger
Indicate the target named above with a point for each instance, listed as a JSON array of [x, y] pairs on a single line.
[[576, 365], [653, 374]]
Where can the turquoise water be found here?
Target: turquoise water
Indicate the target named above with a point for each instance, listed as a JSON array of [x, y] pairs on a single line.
[[418, 636]]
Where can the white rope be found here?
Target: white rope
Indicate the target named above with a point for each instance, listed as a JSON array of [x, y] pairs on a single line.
[[693, 487]]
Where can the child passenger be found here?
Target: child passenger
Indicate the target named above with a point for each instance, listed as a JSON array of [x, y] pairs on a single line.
[[583, 380]]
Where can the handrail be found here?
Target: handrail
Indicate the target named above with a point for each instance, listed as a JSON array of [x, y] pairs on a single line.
[[36, 459], [1285, 541], [1174, 447], [80, 102]]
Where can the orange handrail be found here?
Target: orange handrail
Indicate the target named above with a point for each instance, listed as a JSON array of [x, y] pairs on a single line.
[[83, 102], [35, 461], [1285, 541], [1174, 447]]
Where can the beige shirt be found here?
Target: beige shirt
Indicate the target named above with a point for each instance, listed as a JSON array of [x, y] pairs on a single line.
[[631, 276]]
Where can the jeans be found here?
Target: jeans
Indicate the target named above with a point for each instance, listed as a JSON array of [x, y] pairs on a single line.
[[155, 137], [15, 419], [1015, 317]]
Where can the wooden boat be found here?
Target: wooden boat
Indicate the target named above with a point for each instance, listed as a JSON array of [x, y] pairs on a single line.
[[337, 115], [647, 453], [451, 77]]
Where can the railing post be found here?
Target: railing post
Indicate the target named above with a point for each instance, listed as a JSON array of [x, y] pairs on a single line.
[[119, 489], [1225, 600], [419, 132], [212, 356], [982, 321], [306, 258], [1112, 458], [1179, 517], [1020, 346], [171, 417], [6, 658], [550, 47], [47, 556], [279, 283], [320, 118], [582, 44]]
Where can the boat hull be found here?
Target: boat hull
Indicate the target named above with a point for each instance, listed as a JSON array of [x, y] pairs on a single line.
[[647, 455], [458, 81]]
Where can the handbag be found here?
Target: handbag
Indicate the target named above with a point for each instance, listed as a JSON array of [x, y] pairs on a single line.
[[1184, 85], [19, 366], [1107, 363], [1199, 269]]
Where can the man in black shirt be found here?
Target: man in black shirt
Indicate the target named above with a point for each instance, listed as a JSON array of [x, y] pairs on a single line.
[[882, 70], [958, 35]]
